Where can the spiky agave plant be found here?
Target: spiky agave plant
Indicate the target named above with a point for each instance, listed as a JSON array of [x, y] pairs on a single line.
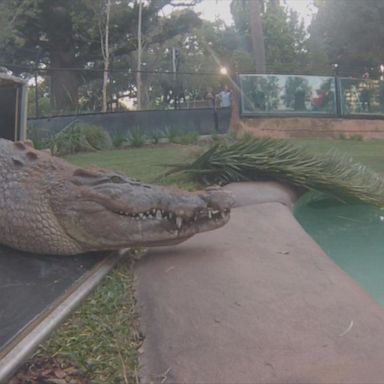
[[267, 159]]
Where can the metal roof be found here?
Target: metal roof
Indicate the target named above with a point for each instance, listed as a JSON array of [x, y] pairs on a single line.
[[4, 77]]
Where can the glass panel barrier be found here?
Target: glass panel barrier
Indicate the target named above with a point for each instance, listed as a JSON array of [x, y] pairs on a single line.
[[361, 97], [287, 94]]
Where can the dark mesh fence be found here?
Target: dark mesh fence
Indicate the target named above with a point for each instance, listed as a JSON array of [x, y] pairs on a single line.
[[65, 92]]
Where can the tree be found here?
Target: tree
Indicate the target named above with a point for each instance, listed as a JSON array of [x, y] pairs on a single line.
[[257, 35], [104, 43], [63, 38], [47, 33], [350, 32], [139, 52], [284, 40], [283, 33]]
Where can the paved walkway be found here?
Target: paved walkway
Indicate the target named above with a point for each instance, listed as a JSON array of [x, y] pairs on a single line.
[[256, 301]]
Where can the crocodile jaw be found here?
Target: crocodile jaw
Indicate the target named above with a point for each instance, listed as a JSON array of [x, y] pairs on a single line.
[[149, 216]]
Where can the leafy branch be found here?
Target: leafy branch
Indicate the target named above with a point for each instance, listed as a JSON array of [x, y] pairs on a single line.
[[266, 159]]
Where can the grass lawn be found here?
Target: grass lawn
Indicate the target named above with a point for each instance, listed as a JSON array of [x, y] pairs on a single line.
[[370, 153], [102, 336], [145, 164]]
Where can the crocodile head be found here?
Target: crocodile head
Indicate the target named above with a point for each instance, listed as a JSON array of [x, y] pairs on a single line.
[[112, 211], [50, 206]]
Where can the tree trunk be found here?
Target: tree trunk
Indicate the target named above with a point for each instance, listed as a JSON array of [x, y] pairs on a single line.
[[64, 83], [257, 36], [139, 51], [105, 53], [61, 47]]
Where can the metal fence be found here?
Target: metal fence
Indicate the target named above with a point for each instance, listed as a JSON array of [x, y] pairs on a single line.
[[160, 123], [79, 91]]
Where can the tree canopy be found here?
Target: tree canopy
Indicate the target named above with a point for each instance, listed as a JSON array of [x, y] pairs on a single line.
[[61, 41], [283, 34], [350, 33], [63, 36]]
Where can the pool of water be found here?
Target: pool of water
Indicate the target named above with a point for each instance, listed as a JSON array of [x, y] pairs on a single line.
[[352, 235]]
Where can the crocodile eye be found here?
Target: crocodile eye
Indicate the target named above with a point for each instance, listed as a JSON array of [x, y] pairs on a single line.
[[117, 179]]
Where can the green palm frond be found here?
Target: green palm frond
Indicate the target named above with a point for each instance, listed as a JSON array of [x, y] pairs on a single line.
[[266, 159]]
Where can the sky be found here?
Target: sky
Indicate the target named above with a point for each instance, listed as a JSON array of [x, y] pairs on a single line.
[[212, 9]]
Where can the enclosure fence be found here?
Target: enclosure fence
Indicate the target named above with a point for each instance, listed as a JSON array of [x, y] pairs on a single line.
[[286, 95], [260, 95]]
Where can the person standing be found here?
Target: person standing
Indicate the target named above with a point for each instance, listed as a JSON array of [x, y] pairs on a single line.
[[225, 98]]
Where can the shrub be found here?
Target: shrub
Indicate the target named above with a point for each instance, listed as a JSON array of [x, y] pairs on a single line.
[[136, 138], [97, 137], [178, 136], [356, 137], [119, 140], [80, 137], [217, 139], [189, 138], [38, 142], [173, 135], [156, 135]]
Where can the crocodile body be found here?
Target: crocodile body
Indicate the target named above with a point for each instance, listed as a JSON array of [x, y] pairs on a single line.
[[49, 206]]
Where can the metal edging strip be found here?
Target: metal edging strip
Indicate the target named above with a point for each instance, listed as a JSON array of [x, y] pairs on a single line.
[[25, 345]]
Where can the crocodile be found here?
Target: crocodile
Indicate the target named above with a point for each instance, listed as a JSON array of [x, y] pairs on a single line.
[[49, 206]]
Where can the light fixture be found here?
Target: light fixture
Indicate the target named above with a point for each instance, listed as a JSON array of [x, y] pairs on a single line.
[[223, 71]]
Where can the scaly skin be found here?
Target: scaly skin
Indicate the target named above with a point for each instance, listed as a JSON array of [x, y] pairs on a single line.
[[49, 206]]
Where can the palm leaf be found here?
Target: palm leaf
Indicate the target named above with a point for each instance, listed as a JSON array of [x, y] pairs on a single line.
[[267, 159]]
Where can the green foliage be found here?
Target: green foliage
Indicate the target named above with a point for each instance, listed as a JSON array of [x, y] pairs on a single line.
[[263, 159], [349, 33], [7, 16], [79, 137], [188, 138], [172, 134], [284, 39], [356, 137], [119, 140], [136, 138], [66, 34], [178, 136], [38, 142], [156, 135], [284, 35], [217, 139]]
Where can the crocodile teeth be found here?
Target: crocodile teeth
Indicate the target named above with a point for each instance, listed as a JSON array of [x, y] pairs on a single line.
[[159, 216], [223, 215], [179, 222], [210, 213]]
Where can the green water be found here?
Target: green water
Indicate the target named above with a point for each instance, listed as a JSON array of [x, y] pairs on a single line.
[[352, 235]]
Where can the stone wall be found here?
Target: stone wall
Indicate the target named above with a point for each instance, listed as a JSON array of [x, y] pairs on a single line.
[[286, 127]]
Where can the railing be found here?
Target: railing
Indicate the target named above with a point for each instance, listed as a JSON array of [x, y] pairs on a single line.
[[286, 95], [361, 97]]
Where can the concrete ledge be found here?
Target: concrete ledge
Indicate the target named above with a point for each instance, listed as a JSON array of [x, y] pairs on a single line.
[[256, 301], [251, 192]]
